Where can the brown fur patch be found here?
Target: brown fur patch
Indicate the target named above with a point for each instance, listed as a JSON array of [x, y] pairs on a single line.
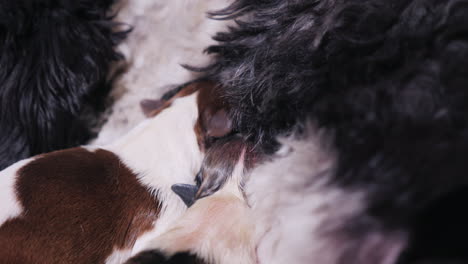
[[163, 104], [78, 207], [148, 106]]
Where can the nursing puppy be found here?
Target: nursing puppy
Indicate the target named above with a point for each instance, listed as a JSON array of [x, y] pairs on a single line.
[[55, 59], [384, 83], [218, 226], [101, 205]]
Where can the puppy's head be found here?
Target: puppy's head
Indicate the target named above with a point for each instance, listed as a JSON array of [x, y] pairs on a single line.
[[222, 148], [213, 119], [213, 130]]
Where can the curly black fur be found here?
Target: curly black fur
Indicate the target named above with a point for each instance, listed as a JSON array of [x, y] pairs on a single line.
[[387, 79], [55, 58]]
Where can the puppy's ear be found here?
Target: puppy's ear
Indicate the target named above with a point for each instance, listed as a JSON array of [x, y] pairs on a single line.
[[214, 120], [149, 106], [219, 124]]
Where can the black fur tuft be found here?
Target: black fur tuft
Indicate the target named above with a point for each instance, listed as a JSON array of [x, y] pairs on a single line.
[[55, 62]]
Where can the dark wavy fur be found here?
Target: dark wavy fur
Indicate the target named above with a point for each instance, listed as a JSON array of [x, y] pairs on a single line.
[[387, 79], [55, 58]]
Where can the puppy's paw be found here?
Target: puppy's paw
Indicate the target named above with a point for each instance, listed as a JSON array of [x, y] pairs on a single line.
[[156, 257]]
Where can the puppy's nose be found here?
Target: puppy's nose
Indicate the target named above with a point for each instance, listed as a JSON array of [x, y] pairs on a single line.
[[186, 192]]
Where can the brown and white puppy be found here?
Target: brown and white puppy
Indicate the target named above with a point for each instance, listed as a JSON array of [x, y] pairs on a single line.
[[218, 227], [102, 205]]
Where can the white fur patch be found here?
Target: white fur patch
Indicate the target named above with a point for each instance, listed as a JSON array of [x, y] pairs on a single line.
[[118, 256], [10, 207], [301, 218], [163, 151], [166, 34], [290, 201]]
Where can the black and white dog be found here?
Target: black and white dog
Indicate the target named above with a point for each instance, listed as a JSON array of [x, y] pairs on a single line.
[[371, 99], [55, 61]]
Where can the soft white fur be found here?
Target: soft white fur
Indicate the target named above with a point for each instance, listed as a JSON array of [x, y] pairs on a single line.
[[10, 207], [118, 256], [290, 202], [302, 218], [163, 151], [166, 33], [218, 228]]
